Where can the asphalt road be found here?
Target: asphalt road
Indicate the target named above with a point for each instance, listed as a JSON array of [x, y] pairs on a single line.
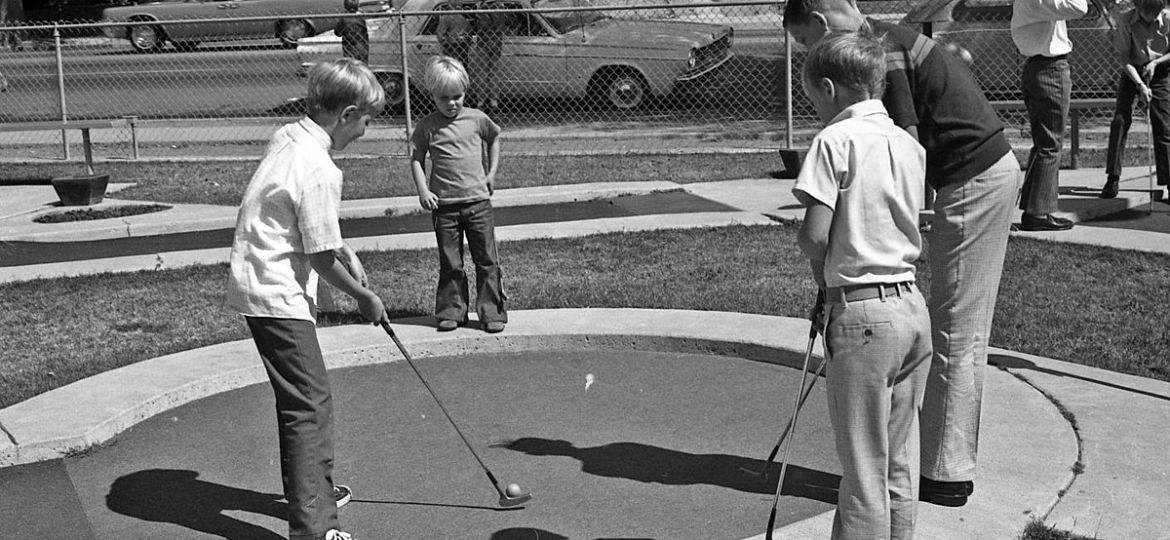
[[226, 79]]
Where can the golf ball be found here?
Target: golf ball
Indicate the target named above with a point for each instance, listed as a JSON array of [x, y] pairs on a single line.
[[513, 490]]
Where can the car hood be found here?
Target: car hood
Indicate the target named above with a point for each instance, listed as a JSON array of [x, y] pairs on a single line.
[[654, 34]]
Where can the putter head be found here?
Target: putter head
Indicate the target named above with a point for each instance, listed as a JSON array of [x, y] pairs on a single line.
[[508, 502]]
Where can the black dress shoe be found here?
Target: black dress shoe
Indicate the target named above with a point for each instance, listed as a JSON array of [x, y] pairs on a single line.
[[1111, 187], [1047, 222], [949, 494]]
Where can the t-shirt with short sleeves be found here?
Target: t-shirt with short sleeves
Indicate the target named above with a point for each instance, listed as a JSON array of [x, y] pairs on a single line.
[[932, 89], [870, 173], [456, 146], [1138, 41], [290, 210]]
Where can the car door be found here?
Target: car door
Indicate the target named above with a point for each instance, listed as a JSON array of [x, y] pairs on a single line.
[[251, 8], [532, 59]]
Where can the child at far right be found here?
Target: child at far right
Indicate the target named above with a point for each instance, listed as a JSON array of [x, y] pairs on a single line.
[[861, 185], [1142, 39]]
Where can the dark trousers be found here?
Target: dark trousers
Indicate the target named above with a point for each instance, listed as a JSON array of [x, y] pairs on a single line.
[[1047, 88], [1127, 92], [475, 221], [304, 417]]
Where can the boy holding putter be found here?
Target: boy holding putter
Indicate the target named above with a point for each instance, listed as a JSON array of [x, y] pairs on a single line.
[[458, 193], [287, 234], [862, 185]]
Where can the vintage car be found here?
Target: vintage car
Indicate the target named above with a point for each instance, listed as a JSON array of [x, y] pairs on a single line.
[[983, 27], [178, 21], [566, 54]]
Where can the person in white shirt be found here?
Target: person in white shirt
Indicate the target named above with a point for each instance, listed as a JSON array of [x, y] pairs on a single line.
[[861, 185], [1040, 34], [287, 233]]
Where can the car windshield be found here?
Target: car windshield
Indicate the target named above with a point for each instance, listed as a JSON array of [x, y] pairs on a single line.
[[567, 21]]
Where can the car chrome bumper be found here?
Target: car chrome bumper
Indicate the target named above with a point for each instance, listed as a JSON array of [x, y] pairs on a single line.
[[692, 75]]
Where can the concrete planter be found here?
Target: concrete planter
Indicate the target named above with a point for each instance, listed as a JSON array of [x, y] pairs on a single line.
[[81, 190], [792, 158]]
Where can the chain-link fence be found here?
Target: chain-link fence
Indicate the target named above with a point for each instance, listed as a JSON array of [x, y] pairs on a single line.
[[560, 76]]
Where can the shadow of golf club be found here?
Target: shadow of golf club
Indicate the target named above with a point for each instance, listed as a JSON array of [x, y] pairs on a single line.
[[437, 505], [179, 497], [653, 464], [1013, 362]]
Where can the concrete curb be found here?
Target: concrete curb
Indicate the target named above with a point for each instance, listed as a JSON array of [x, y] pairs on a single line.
[[92, 411], [95, 410]]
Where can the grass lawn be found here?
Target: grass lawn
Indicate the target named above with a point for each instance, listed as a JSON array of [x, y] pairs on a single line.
[[1077, 303]]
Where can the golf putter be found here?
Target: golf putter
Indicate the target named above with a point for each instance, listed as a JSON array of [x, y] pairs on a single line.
[[1150, 156], [805, 390], [505, 499]]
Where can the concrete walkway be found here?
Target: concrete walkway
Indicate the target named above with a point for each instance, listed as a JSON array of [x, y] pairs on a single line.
[[1100, 469]]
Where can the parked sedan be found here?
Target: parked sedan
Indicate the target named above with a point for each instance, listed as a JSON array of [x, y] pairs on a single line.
[[983, 27], [178, 21], [572, 54]]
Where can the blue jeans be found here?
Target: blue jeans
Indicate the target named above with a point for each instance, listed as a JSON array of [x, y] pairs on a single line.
[[879, 352], [1159, 110], [968, 239], [1047, 87], [304, 417], [475, 221]]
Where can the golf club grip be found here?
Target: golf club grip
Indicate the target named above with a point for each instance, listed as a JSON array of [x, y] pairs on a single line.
[[818, 307]]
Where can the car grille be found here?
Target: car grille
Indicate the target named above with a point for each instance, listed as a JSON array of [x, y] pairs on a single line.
[[712, 54]]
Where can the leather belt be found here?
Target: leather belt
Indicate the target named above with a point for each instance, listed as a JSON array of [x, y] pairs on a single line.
[[857, 293]]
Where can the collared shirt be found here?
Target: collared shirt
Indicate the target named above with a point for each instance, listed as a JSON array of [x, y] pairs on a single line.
[[870, 173], [290, 211], [1038, 27], [1138, 41]]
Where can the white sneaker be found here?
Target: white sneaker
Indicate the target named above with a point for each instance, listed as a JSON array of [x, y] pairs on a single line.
[[341, 494], [334, 534]]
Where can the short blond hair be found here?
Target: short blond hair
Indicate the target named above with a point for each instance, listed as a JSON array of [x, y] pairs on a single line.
[[445, 73], [337, 84], [854, 60]]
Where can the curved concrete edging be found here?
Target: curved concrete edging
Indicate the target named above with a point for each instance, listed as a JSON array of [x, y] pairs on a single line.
[[92, 411], [1013, 484]]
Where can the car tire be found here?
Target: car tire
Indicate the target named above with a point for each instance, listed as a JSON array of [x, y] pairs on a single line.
[[623, 89], [394, 86], [146, 38], [291, 31]]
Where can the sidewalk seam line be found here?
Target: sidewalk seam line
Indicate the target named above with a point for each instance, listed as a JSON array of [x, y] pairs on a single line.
[[11, 439], [1078, 467]]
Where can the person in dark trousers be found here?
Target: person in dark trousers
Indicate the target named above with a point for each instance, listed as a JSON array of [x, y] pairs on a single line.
[[355, 38], [1142, 40], [287, 236], [1041, 35]]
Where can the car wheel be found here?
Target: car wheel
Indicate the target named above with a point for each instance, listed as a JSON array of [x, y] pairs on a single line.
[[292, 31], [146, 38], [625, 90]]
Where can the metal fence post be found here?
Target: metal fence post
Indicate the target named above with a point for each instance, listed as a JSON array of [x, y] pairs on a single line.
[[61, 89], [405, 80], [787, 89], [133, 135]]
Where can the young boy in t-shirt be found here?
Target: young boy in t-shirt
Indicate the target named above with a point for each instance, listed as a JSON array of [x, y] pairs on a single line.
[[862, 185], [457, 190]]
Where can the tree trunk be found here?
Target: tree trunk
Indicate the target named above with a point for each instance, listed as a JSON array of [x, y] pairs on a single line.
[[11, 14]]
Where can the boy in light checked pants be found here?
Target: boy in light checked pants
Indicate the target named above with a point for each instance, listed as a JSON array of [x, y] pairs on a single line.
[[862, 185], [287, 234]]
